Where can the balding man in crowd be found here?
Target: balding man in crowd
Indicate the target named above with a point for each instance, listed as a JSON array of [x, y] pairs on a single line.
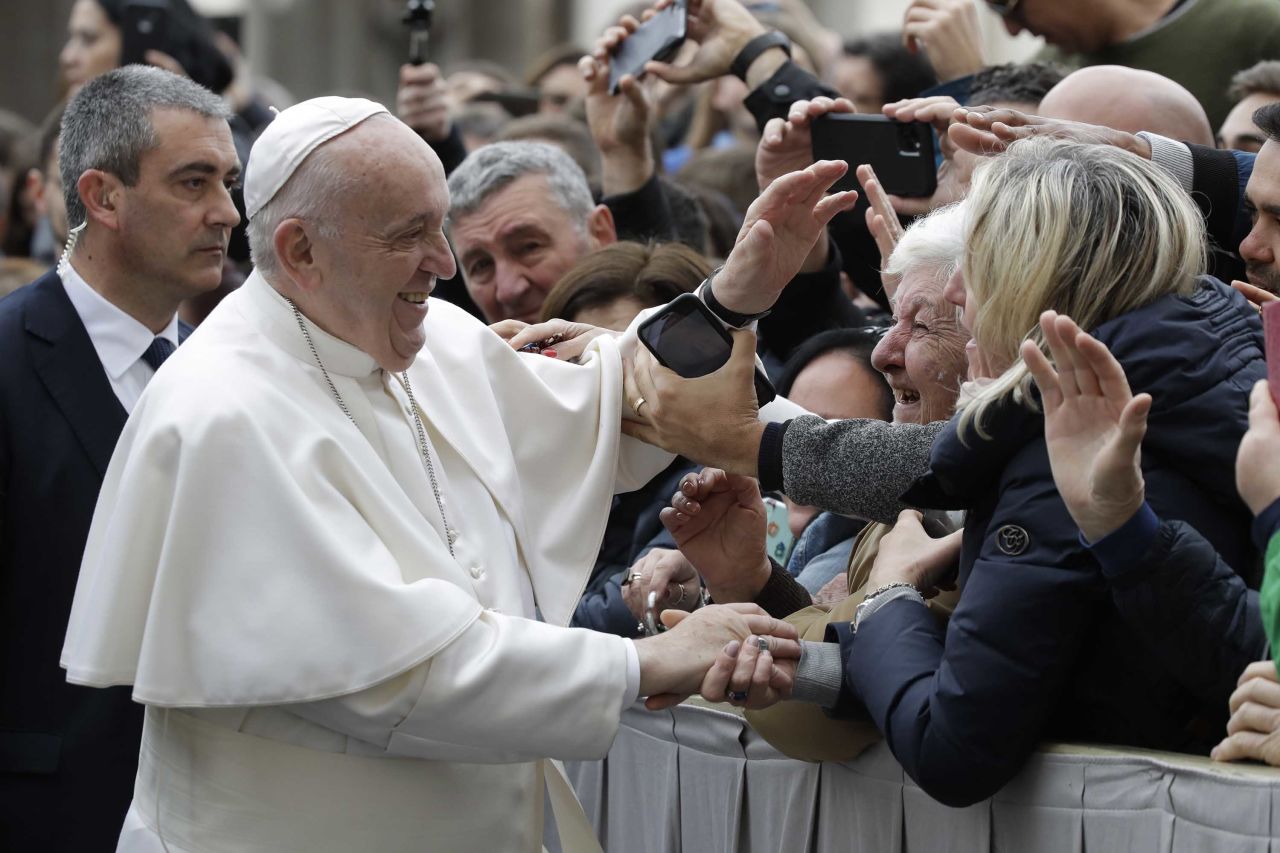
[[1131, 100]]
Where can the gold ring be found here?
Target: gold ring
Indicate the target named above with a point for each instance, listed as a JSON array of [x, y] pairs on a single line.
[[640, 401]]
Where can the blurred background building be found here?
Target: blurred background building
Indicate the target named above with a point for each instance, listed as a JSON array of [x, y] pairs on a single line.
[[313, 47]]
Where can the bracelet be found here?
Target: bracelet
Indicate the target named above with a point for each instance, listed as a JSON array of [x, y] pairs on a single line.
[[881, 596], [730, 318], [886, 588], [754, 48]]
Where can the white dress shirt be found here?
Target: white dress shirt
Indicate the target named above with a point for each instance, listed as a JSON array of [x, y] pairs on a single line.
[[118, 338]]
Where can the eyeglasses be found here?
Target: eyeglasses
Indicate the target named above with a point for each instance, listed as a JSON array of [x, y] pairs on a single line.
[[1004, 8]]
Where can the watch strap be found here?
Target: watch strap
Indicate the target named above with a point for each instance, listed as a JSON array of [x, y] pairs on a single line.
[[754, 48], [729, 318]]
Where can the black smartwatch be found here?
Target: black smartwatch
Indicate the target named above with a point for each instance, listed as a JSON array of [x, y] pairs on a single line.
[[729, 318], [754, 48]]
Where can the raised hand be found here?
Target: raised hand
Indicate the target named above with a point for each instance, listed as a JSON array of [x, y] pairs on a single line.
[[673, 665], [777, 235], [1258, 461], [956, 170], [883, 223], [1254, 728], [719, 521], [1093, 426], [619, 123], [721, 29], [908, 554], [990, 130], [949, 31], [422, 101], [787, 144]]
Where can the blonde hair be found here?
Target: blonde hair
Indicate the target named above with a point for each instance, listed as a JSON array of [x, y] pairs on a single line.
[[1086, 230]]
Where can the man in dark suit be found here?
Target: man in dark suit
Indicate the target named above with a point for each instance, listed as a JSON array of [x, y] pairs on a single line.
[[147, 163]]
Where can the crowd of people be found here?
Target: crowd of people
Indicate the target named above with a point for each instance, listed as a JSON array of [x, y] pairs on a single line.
[[340, 496]]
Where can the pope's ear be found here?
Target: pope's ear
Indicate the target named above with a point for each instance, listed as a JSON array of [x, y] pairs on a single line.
[[100, 194], [296, 253]]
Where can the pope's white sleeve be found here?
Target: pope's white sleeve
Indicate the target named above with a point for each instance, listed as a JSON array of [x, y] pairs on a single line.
[[506, 690]]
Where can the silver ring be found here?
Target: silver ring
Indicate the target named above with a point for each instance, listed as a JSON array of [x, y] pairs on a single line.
[[737, 695], [763, 643], [683, 594]]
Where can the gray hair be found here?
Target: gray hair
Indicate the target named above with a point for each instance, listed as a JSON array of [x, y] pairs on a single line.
[[494, 167], [934, 242], [107, 125], [310, 194]]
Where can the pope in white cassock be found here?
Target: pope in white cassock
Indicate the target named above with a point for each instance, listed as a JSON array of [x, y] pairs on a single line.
[[334, 520]]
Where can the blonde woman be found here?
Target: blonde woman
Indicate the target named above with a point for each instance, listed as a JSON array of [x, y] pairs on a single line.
[[1039, 646]]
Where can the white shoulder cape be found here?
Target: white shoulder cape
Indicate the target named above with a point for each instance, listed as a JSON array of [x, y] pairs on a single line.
[[251, 548]]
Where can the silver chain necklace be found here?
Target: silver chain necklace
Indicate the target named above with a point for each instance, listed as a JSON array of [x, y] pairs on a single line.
[[451, 535]]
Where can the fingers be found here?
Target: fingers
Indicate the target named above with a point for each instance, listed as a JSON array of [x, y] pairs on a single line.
[[765, 625], [880, 202], [829, 206], [1258, 689], [1262, 408], [716, 682], [1108, 372], [1045, 376], [1254, 717], [1239, 746], [1254, 294], [1260, 669], [508, 329]]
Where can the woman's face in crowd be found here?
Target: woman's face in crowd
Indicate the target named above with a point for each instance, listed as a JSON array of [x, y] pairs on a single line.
[[923, 355], [93, 44]]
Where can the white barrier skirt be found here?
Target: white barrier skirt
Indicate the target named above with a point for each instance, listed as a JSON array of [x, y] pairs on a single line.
[[698, 779]]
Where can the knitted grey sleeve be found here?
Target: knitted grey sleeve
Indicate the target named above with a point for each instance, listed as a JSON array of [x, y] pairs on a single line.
[[854, 467]]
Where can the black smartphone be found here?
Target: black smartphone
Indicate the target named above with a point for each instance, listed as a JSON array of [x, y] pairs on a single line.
[[686, 337], [144, 25], [656, 39], [900, 152]]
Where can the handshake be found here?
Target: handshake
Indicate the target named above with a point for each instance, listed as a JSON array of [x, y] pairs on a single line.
[[733, 653]]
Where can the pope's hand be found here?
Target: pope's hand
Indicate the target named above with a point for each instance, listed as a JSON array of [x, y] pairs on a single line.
[[563, 340], [711, 419], [674, 664], [1258, 461], [718, 521], [1093, 426], [1254, 728]]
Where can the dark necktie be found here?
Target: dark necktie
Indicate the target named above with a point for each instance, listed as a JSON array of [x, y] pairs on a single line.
[[156, 354]]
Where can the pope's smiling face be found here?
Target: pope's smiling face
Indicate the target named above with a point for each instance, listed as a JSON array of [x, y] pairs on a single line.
[[389, 247]]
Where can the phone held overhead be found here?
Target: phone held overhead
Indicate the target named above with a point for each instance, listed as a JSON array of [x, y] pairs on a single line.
[[902, 153], [656, 40]]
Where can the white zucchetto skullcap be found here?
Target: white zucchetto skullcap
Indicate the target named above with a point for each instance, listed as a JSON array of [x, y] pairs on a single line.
[[294, 134]]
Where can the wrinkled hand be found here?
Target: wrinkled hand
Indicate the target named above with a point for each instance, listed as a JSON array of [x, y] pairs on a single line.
[[908, 554], [883, 223], [990, 130], [422, 101], [1093, 426], [1258, 461], [1254, 728], [619, 123], [667, 573], [570, 339], [673, 665], [719, 522], [949, 31], [711, 419], [721, 29], [745, 668], [779, 232]]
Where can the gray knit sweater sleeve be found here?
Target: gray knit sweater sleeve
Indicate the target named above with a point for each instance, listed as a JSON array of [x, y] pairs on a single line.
[[854, 467]]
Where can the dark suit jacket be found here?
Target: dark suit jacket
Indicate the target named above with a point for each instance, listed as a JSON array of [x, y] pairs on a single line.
[[68, 754]]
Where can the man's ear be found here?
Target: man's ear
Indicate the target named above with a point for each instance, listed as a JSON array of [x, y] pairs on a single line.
[[600, 226], [101, 193], [296, 252], [33, 184]]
